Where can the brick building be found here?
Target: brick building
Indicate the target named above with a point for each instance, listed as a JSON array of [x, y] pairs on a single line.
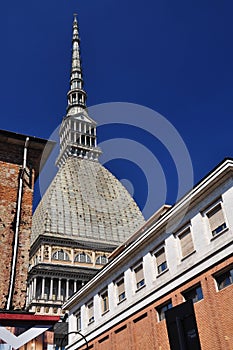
[[181, 259], [21, 158]]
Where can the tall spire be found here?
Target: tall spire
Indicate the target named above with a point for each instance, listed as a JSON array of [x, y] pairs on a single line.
[[78, 130], [76, 95]]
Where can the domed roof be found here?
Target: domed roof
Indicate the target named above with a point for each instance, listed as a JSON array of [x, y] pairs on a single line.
[[85, 201]]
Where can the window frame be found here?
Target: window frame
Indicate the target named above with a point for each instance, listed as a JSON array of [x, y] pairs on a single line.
[[208, 210], [90, 307], [121, 295], [181, 232], [155, 254], [78, 320], [65, 254], [159, 309], [141, 283], [221, 273], [100, 257], [192, 289], [104, 297], [87, 258]]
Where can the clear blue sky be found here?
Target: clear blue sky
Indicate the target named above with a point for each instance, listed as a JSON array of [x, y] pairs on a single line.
[[175, 57]]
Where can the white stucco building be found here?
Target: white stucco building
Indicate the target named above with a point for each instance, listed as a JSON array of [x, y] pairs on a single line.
[[183, 252]]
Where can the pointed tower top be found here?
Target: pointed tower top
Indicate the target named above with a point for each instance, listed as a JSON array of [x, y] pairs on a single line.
[[78, 130], [75, 28]]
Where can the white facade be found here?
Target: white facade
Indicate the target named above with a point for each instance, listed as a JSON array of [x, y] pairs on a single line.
[[183, 241]]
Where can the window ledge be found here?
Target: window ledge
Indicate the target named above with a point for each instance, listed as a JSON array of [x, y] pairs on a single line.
[[137, 290], [162, 273], [105, 312], [223, 288], [188, 255], [219, 234], [121, 301]]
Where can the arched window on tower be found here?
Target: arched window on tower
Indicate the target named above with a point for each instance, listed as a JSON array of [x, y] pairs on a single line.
[[83, 258], [101, 260], [60, 255]]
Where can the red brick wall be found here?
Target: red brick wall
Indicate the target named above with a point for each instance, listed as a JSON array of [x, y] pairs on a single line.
[[214, 317], [8, 197], [19, 297], [11, 158]]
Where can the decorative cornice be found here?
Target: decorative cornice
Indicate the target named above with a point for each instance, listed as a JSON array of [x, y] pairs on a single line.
[[71, 243], [51, 270]]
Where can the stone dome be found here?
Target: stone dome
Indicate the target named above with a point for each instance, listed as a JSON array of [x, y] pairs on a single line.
[[85, 201]]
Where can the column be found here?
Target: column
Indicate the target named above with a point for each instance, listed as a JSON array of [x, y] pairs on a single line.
[[42, 288], [59, 289], [30, 291], [42, 253], [27, 295], [93, 258], [34, 287], [67, 289], [95, 142], [51, 289], [50, 253], [75, 286], [72, 256]]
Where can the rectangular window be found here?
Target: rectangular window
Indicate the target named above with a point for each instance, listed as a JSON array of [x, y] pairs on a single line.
[[104, 301], [139, 276], [216, 219], [195, 293], [186, 242], [90, 308], [161, 309], [161, 260], [121, 289], [78, 318], [224, 279]]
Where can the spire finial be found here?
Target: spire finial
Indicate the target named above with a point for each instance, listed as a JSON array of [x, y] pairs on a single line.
[[76, 94]]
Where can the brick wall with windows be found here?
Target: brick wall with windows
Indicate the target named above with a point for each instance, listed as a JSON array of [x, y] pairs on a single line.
[[213, 309]]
